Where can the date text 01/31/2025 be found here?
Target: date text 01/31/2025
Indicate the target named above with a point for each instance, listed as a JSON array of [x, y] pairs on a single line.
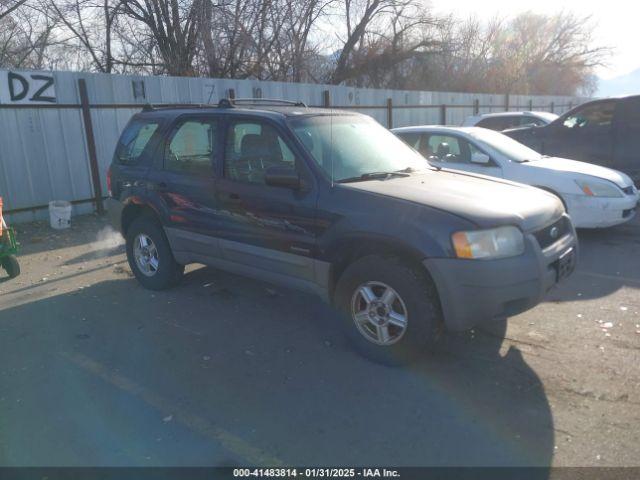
[[315, 473]]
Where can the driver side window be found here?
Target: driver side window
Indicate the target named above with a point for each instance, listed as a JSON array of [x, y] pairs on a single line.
[[445, 148], [597, 115], [251, 148], [191, 148], [450, 149]]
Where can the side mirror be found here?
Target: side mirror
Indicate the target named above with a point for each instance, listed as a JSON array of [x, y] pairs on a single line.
[[286, 177], [478, 157]]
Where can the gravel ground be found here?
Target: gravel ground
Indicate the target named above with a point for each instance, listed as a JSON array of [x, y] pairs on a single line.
[[222, 370]]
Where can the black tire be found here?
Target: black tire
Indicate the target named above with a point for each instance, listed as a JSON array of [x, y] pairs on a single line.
[[169, 272], [11, 266], [419, 298]]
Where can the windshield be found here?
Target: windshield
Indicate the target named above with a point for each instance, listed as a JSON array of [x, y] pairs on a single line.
[[348, 146], [507, 146]]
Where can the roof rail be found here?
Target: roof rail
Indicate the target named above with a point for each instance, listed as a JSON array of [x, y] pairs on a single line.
[[148, 107], [224, 103], [231, 102]]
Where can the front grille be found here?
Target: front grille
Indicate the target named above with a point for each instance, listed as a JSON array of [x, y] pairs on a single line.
[[552, 233], [629, 190]]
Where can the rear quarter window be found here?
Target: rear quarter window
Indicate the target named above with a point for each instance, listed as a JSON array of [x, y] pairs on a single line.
[[412, 139], [134, 140]]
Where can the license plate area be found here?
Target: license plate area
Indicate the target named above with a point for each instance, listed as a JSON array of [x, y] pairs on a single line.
[[565, 264]]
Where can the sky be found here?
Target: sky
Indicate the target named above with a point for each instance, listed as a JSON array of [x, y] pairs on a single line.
[[617, 23]]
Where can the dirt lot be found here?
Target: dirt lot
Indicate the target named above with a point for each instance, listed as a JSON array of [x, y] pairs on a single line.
[[95, 370]]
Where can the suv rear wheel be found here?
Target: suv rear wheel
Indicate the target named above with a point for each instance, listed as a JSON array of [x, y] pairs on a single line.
[[390, 310], [150, 256]]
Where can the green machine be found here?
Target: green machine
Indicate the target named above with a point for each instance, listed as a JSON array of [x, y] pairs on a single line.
[[8, 248]]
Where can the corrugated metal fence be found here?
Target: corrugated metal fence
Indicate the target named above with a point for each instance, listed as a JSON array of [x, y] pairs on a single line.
[[46, 149]]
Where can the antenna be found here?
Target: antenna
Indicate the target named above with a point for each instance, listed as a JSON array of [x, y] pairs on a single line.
[[327, 104], [331, 149]]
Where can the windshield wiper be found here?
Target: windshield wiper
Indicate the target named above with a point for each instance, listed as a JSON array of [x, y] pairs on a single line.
[[377, 175]]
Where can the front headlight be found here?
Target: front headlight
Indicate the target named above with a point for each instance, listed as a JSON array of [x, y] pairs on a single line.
[[599, 189], [498, 242]]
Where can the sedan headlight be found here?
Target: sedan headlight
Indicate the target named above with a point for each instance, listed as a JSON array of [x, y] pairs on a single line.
[[498, 242], [599, 189]]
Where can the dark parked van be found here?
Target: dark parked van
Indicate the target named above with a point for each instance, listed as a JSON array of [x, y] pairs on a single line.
[[332, 203], [605, 132]]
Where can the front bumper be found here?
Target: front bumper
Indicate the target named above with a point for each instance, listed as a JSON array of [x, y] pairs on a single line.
[[598, 212], [478, 291]]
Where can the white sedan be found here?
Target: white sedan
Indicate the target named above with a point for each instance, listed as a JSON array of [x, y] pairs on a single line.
[[593, 196]]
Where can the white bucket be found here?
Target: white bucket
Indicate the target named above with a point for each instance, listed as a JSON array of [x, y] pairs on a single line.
[[60, 214]]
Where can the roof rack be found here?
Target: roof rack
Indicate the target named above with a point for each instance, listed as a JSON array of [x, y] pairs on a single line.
[[231, 102], [225, 103]]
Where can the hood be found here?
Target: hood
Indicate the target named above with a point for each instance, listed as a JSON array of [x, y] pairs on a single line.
[[485, 201], [572, 166]]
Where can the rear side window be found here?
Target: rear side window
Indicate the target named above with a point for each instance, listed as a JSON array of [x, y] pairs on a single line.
[[412, 139], [133, 140], [191, 147], [418, 142], [527, 120], [494, 123]]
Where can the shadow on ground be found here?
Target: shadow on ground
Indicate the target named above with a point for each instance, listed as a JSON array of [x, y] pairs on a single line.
[[226, 370]]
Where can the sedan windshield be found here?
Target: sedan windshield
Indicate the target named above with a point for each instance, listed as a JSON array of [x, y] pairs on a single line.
[[348, 147], [507, 146]]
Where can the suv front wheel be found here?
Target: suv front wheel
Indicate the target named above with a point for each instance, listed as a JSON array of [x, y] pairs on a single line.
[[390, 310], [150, 257]]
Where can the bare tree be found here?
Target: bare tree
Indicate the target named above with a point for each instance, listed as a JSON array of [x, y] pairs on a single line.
[[26, 36], [174, 26], [368, 43], [379, 35], [527, 54], [91, 23], [9, 6]]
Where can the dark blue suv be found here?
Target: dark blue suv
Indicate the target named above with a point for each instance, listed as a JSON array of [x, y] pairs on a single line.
[[332, 203]]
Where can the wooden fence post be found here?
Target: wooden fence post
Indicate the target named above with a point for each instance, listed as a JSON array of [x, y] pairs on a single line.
[[326, 99], [443, 114], [506, 102], [91, 145], [389, 113], [476, 106], [553, 107]]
